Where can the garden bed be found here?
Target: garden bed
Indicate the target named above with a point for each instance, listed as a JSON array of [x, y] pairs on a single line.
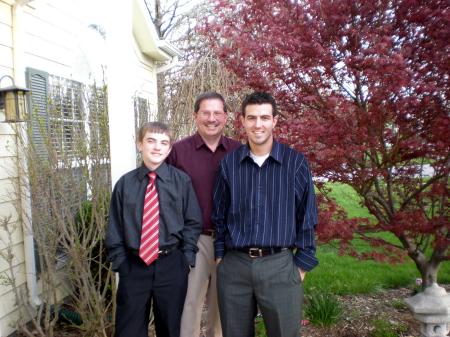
[[387, 307]]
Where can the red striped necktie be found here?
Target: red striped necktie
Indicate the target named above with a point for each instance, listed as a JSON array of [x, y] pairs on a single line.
[[148, 250]]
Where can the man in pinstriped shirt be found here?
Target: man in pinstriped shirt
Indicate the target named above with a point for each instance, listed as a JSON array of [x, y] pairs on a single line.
[[264, 206]]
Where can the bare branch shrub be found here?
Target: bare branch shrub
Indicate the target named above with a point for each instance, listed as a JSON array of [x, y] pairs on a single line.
[[66, 157], [199, 71]]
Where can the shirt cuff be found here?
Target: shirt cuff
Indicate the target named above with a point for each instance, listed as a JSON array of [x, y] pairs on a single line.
[[117, 260], [190, 257], [305, 260], [219, 249]]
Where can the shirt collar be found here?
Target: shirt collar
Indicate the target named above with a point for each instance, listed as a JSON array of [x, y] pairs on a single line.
[[275, 153], [161, 171], [199, 141]]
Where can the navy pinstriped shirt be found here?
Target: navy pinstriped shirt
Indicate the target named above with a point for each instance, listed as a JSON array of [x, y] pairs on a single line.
[[266, 207]]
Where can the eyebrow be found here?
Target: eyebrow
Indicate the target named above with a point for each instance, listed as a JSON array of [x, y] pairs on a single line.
[[163, 140], [267, 115]]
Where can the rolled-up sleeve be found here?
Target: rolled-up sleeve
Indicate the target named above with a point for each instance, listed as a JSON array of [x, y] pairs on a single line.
[[114, 238], [221, 204]]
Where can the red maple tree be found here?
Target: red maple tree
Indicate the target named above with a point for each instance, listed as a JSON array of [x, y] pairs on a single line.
[[363, 88]]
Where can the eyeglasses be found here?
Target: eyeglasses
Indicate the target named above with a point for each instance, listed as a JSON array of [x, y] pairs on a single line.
[[206, 114]]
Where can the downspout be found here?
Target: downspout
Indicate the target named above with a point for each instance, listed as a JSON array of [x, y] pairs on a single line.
[[159, 70], [25, 199]]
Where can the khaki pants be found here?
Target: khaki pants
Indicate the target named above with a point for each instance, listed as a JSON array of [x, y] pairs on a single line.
[[201, 283]]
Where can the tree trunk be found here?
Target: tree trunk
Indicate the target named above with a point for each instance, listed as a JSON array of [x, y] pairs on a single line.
[[428, 269]]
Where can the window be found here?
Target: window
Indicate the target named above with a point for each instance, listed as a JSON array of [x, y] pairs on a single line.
[[65, 116], [70, 158]]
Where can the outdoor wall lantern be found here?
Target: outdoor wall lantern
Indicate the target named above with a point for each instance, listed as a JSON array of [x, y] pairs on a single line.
[[13, 101]]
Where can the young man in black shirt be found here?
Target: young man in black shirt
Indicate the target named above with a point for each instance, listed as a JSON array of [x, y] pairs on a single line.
[[153, 227]]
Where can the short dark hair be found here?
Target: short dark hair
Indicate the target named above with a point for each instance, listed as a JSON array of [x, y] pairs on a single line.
[[155, 127], [259, 98], [209, 95]]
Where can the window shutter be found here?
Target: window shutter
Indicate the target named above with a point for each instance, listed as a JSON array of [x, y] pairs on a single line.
[[37, 81], [39, 114]]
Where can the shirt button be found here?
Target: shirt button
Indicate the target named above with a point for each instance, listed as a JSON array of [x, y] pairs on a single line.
[[258, 205], [257, 222], [259, 186]]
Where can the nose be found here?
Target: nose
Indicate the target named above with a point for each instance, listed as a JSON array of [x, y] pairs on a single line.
[[258, 122], [157, 145], [211, 117]]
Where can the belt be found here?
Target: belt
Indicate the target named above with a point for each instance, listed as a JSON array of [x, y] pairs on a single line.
[[260, 252], [209, 232], [161, 254]]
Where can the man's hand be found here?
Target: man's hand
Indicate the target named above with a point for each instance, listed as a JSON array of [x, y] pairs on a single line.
[[218, 261], [302, 273]]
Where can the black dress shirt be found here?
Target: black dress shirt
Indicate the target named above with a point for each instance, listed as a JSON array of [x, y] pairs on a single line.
[[180, 218], [272, 206]]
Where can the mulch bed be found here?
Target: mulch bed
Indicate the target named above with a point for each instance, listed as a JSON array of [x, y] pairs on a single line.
[[362, 310]]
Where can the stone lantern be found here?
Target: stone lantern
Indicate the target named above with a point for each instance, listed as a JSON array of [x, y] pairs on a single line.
[[432, 309]]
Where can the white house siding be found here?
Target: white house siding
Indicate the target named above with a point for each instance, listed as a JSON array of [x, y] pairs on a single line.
[[50, 41], [8, 199], [53, 33], [6, 51], [144, 77], [8, 172]]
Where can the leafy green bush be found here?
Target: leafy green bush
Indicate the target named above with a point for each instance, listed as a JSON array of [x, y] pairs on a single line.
[[324, 309]]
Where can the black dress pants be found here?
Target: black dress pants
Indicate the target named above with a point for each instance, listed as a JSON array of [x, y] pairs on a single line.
[[165, 282]]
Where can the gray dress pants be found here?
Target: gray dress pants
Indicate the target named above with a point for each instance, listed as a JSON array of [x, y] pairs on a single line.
[[272, 282]]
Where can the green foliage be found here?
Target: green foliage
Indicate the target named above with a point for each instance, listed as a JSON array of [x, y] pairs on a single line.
[[385, 328], [397, 304], [347, 275], [260, 327], [324, 309], [347, 198]]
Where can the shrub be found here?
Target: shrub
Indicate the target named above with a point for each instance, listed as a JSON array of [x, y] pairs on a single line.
[[324, 309]]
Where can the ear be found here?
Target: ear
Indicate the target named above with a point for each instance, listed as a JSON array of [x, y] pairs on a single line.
[[242, 120], [139, 144], [195, 116], [275, 120]]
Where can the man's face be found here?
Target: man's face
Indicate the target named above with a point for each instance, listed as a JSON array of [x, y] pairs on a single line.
[[258, 123], [155, 147], [210, 118]]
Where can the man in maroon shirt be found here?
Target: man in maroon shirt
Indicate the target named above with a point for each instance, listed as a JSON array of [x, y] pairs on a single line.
[[199, 156]]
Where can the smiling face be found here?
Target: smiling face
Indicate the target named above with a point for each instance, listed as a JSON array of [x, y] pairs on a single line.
[[155, 147], [259, 123], [210, 119]]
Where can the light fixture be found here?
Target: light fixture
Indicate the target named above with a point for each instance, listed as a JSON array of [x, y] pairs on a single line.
[[13, 100]]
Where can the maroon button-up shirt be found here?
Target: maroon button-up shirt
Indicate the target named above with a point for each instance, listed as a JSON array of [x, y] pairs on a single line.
[[194, 157]]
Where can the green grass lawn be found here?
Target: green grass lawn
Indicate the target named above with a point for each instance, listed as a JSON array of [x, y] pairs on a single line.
[[346, 275]]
